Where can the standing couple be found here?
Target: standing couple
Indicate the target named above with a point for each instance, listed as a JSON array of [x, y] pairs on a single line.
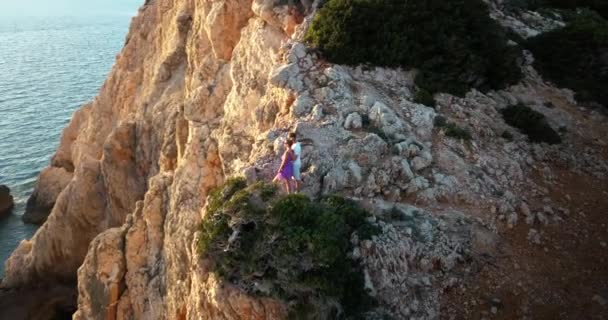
[[289, 171]]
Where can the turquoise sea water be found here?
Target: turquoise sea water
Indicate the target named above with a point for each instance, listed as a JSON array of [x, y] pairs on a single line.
[[48, 68]]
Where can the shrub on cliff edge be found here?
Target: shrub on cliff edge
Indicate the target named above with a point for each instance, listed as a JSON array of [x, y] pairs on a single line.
[[455, 44], [287, 247], [576, 56]]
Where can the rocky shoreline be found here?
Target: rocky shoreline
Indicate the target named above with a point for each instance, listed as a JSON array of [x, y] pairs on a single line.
[[6, 201]]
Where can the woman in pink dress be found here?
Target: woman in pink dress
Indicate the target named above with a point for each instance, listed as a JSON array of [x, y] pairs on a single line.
[[285, 173]]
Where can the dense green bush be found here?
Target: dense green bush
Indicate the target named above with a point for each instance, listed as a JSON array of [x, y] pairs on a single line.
[[507, 135], [451, 129], [454, 44], [440, 121], [575, 56], [424, 97], [531, 123], [454, 131], [287, 247]]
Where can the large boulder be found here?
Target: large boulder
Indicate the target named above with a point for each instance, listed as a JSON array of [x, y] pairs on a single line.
[[51, 182], [6, 201]]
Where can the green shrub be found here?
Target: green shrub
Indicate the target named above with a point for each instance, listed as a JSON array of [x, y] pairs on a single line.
[[531, 123], [217, 225], [507, 135], [440, 121], [454, 44], [451, 129], [454, 131], [267, 191], [424, 97], [575, 57], [288, 247]]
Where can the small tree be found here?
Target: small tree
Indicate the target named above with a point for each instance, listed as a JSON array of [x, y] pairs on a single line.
[[455, 44]]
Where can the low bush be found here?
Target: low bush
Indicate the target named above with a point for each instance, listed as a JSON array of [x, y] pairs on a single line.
[[288, 247], [575, 56], [507, 135], [440, 121], [454, 131], [451, 129], [531, 123], [424, 97], [454, 44]]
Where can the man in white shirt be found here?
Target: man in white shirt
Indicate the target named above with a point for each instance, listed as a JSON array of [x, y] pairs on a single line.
[[297, 164]]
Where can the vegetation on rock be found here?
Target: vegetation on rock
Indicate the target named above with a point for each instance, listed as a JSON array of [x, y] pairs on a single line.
[[454, 131], [507, 135], [424, 97], [451, 129], [455, 44], [531, 123], [575, 56], [287, 247]]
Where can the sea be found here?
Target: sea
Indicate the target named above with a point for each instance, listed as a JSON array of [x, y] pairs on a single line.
[[49, 67]]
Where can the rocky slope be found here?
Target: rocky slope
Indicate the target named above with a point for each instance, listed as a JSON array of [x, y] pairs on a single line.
[[204, 90]]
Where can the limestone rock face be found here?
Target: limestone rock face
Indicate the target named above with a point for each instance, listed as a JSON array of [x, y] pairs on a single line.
[[208, 89], [160, 134], [50, 183], [6, 201]]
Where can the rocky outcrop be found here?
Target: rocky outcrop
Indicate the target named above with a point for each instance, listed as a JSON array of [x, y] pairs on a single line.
[[6, 201], [204, 90], [524, 23], [164, 112], [50, 183]]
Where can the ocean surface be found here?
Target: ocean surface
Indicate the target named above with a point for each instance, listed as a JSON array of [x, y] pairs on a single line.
[[49, 66]]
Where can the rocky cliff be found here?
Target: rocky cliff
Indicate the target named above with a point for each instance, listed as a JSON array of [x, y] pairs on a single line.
[[204, 90], [6, 201]]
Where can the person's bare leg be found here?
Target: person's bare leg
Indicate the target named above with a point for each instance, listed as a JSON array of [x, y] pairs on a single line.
[[287, 187]]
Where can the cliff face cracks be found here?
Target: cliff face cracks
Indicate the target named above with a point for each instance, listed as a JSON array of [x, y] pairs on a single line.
[[160, 127]]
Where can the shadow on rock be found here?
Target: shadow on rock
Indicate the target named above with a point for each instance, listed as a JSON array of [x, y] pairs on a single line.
[[41, 303]]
